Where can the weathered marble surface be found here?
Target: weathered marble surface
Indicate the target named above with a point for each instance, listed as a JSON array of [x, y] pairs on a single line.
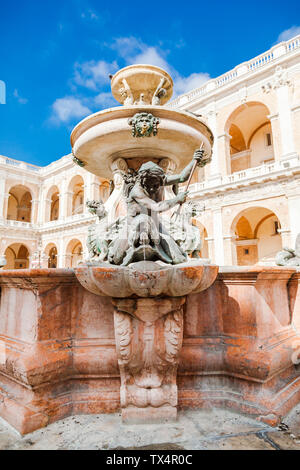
[[148, 298], [241, 340], [289, 256], [146, 279]]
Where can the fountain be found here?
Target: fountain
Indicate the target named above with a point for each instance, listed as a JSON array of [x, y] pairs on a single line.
[[144, 322], [141, 259]]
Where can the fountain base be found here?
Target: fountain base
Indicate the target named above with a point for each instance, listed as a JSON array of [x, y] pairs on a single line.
[[241, 347], [148, 334]]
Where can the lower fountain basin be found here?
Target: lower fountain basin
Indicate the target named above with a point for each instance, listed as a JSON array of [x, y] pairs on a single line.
[[147, 279]]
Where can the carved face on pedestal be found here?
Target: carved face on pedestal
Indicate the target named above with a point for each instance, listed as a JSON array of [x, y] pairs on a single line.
[[143, 125]]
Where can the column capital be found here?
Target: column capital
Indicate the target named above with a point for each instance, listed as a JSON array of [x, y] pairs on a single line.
[[224, 135], [119, 165], [272, 117]]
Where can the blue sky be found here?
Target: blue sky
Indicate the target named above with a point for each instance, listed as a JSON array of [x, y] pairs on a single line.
[[56, 56]]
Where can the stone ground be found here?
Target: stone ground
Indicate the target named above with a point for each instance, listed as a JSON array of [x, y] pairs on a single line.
[[204, 430]]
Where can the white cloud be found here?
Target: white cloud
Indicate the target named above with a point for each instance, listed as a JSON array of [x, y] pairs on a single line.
[[288, 34], [19, 98], [67, 108], [93, 74], [185, 84], [150, 56], [127, 47], [134, 51], [90, 15], [104, 100]]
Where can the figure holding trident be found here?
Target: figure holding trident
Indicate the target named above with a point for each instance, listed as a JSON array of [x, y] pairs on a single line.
[[144, 235], [199, 161]]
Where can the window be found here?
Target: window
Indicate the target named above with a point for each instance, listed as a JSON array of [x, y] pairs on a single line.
[[276, 227], [246, 251], [268, 140]]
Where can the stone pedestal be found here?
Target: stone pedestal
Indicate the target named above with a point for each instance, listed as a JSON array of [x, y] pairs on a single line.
[[58, 357], [148, 340]]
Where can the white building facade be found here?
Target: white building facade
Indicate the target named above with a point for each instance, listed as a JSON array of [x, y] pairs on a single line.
[[248, 196]]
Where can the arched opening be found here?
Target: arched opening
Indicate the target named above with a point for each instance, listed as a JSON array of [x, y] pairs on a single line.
[[258, 237], [76, 196], [51, 253], [74, 253], [251, 140], [52, 208], [19, 204], [17, 256]]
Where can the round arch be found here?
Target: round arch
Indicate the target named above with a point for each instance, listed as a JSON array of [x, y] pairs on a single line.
[[74, 252], [250, 131], [19, 203], [52, 204], [75, 195], [257, 235], [52, 255], [11, 183], [17, 256]]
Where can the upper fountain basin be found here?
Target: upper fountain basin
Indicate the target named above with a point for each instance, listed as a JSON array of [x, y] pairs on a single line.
[[103, 137], [141, 79], [147, 279]]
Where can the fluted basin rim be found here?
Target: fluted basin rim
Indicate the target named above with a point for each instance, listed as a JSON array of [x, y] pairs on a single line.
[[124, 282]]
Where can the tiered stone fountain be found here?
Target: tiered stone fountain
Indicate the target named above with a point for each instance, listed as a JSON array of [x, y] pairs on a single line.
[[66, 339], [134, 259]]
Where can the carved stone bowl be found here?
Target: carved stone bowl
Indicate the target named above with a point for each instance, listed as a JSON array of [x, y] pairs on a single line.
[[147, 279], [103, 137], [141, 79]]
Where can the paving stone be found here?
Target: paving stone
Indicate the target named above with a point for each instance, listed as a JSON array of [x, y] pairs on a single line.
[[284, 441], [244, 442], [195, 429]]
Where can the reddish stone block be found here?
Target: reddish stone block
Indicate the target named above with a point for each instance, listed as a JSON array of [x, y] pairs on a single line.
[[58, 354]]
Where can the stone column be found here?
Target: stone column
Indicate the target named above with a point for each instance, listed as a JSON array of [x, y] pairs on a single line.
[[60, 254], [215, 166], [223, 143], [47, 209], [95, 189], [41, 207], [294, 216], [2, 199], [88, 191], [281, 85], [5, 204], [293, 206], [62, 200], [211, 251], [275, 126], [67, 205], [34, 210], [287, 237], [230, 256], [218, 236], [148, 353]]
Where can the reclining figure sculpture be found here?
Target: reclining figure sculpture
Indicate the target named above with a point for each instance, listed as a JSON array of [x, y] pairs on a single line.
[[289, 256]]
